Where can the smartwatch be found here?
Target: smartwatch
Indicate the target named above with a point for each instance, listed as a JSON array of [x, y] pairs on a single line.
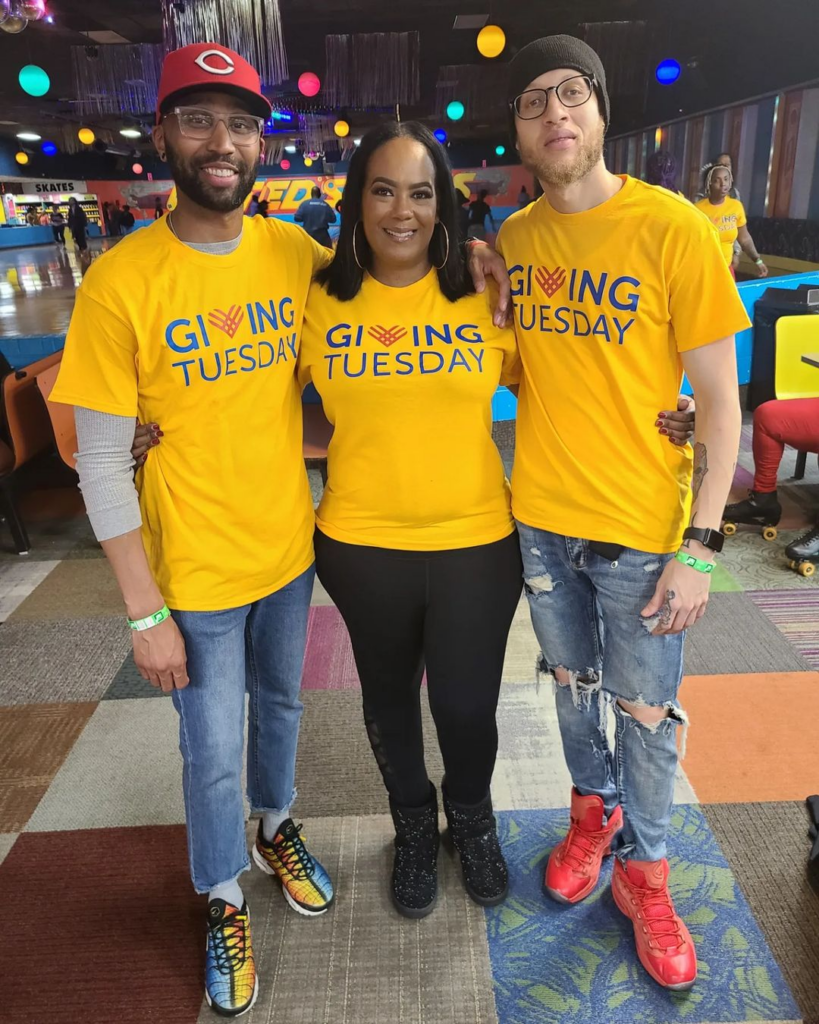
[[712, 539]]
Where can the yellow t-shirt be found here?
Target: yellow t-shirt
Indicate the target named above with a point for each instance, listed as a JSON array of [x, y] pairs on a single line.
[[206, 346], [407, 379], [605, 302], [728, 217]]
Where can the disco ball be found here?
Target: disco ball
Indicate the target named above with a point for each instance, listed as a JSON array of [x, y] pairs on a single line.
[[13, 24], [31, 10]]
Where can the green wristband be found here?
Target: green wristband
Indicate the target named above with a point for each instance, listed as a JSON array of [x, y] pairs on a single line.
[[695, 563], [151, 620]]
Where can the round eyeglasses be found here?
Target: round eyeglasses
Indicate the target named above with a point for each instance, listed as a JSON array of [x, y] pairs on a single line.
[[572, 92]]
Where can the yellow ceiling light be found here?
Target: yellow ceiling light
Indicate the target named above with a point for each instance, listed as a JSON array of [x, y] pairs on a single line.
[[491, 41]]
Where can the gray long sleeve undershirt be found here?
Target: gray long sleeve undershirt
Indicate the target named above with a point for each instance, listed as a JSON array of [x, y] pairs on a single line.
[[104, 462]]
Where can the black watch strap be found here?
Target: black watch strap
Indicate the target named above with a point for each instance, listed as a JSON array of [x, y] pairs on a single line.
[[712, 539]]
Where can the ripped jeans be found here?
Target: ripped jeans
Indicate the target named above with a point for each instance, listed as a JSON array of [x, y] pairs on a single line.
[[586, 615]]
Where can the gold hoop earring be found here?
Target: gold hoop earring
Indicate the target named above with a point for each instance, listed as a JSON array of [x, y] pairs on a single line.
[[355, 253], [446, 256]]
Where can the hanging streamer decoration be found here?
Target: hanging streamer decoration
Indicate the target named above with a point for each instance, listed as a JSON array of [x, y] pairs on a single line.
[[253, 28], [122, 78], [374, 69]]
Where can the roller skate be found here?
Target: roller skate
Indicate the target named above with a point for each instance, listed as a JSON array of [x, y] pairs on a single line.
[[758, 509], [803, 554]]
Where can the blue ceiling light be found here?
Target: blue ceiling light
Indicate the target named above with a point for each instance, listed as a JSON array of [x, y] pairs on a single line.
[[668, 71], [49, 149], [440, 135], [500, 150]]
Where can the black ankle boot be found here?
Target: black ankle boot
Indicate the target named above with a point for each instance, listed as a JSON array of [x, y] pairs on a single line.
[[475, 837], [415, 868]]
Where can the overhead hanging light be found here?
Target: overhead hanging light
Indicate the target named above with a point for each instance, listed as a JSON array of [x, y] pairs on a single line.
[[137, 168], [33, 80], [86, 136], [28, 136], [21, 158], [342, 129], [309, 84], [455, 110], [491, 41], [131, 133]]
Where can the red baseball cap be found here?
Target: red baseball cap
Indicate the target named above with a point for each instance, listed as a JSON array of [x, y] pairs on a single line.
[[211, 67]]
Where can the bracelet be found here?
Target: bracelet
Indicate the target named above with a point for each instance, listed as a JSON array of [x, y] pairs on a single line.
[[151, 620], [759, 261], [695, 563]]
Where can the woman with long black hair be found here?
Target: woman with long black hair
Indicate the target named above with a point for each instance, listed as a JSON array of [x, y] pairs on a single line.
[[415, 541]]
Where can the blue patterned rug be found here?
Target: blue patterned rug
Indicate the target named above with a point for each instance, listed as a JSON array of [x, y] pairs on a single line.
[[577, 965]]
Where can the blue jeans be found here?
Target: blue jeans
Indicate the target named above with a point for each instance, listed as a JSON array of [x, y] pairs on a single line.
[[585, 611], [256, 649]]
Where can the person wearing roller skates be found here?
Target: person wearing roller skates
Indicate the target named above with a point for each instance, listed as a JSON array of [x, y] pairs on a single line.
[[793, 422]]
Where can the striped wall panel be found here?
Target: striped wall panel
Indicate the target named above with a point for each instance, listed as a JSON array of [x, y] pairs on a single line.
[[774, 143]]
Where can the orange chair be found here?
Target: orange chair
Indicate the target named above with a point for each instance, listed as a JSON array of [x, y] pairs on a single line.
[[29, 434], [317, 433], [62, 416]]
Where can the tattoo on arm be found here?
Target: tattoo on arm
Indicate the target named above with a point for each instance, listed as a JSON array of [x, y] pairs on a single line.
[[700, 468]]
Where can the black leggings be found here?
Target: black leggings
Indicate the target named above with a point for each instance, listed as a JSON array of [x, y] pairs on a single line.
[[448, 612]]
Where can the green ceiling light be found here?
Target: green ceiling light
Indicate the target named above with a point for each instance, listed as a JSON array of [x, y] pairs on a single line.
[[34, 80]]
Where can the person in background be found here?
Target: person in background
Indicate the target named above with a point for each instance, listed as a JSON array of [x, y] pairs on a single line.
[[159, 209], [728, 217], [661, 169], [523, 198], [106, 217], [126, 218], [722, 160], [252, 207], [78, 224], [262, 208], [31, 217], [57, 221], [316, 215], [463, 199], [116, 219], [793, 422], [479, 210], [45, 217]]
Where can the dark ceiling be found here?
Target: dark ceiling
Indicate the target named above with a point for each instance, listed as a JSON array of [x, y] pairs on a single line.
[[730, 50]]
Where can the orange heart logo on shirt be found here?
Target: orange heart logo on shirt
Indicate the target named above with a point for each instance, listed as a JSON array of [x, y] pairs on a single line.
[[229, 321], [387, 335], [550, 281]]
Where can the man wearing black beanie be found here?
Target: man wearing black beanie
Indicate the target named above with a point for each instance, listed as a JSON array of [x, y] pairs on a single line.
[[616, 285]]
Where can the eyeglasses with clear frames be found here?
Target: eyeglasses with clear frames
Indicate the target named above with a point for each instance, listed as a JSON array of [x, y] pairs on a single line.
[[571, 92], [198, 123]]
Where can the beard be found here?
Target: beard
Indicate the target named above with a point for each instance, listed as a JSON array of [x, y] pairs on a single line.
[[185, 174], [561, 173]]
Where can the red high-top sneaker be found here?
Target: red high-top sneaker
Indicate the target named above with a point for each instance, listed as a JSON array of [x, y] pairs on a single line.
[[574, 865], [664, 944]]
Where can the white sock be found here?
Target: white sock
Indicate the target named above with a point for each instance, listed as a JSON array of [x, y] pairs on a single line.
[[230, 892], [271, 823]]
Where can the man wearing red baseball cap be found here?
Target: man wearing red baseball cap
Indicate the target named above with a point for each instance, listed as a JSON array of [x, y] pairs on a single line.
[[190, 322]]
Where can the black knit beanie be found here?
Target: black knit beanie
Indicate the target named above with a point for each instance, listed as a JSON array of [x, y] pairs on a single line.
[[552, 52]]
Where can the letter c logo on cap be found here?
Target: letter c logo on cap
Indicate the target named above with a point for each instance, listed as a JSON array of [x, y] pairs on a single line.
[[201, 60]]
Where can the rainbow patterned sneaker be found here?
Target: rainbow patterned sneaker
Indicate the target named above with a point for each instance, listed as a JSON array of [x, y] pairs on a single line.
[[305, 884], [231, 985]]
